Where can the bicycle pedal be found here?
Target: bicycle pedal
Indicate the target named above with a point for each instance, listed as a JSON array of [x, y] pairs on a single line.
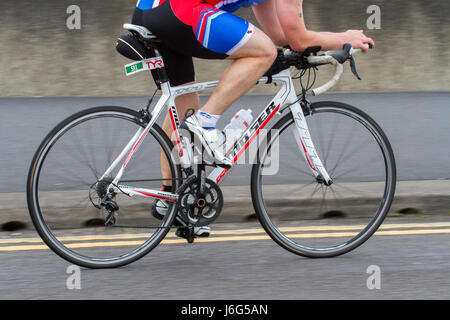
[[185, 233]]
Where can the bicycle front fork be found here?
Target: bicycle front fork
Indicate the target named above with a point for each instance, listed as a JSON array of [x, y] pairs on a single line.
[[306, 145]]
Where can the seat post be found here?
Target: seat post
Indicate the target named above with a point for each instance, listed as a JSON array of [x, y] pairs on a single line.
[[162, 72]]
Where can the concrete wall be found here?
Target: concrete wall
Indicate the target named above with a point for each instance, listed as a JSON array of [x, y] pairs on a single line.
[[39, 56]]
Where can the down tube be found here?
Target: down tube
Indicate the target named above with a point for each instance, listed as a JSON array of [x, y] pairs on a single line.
[[252, 132]]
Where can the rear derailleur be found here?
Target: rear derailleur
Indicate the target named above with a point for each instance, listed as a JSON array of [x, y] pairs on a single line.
[[101, 198]]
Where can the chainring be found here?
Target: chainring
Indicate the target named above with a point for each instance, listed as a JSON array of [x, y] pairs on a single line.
[[200, 209]]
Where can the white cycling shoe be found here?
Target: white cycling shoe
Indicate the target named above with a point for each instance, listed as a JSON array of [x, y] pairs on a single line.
[[160, 209], [212, 140]]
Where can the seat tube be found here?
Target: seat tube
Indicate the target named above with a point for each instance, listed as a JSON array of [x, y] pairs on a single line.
[[182, 144]]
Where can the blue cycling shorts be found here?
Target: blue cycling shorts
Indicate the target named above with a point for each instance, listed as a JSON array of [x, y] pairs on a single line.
[[191, 28]]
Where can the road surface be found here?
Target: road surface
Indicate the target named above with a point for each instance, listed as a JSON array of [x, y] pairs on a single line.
[[413, 259]]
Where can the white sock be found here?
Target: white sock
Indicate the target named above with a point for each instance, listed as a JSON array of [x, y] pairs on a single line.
[[207, 121]]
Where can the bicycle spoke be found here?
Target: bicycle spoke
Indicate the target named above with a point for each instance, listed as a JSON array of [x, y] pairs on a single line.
[[91, 137], [82, 152], [307, 185], [70, 174], [353, 169], [336, 198], [323, 199], [360, 147], [108, 146], [349, 135], [315, 190], [331, 142], [349, 189], [319, 133]]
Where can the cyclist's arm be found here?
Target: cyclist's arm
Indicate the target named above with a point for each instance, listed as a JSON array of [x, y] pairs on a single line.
[[266, 14], [291, 18]]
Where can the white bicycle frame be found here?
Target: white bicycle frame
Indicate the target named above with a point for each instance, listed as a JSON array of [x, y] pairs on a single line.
[[285, 98]]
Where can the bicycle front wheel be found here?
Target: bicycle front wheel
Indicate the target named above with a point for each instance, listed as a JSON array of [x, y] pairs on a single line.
[[304, 215], [65, 188]]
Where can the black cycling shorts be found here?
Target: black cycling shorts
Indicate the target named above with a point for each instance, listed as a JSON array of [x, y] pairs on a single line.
[[212, 34]]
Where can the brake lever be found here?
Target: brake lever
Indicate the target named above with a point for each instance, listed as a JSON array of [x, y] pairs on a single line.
[[353, 64], [353, 68], [343, 55]]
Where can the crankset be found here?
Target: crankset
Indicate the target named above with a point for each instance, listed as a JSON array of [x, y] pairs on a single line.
[[198, 206]]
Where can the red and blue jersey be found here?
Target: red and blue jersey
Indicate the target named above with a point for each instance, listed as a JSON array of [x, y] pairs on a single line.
[[233, 5], [226, 5], [211, 21]]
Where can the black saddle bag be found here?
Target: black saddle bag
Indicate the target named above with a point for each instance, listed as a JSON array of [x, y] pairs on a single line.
[[132, 48]]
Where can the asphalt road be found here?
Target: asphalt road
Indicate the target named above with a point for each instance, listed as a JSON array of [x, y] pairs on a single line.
[[414, 263], [416, 124]]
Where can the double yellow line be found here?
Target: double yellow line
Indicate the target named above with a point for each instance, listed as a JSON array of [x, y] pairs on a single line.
[[119, 240]]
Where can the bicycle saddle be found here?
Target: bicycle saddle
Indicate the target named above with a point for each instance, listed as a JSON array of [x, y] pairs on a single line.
[[142, 31], [137, 45]]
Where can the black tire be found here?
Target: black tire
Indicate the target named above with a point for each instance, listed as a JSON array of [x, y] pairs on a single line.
[[33, 184], [388, 195]]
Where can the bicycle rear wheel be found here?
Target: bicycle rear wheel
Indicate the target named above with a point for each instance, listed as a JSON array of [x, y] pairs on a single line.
[[64, 188], [304, 215]]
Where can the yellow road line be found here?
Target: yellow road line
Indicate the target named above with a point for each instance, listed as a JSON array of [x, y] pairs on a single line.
[[230, 232], [316, 235], [227, 239]]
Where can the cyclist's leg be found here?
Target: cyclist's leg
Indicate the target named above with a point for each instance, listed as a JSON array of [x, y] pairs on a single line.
[[180, 70], [206, 32], [177, 60], [197, 29], [250, 63], [182, 103]]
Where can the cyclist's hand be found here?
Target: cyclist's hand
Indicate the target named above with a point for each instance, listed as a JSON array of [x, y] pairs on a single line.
[[357, 39]]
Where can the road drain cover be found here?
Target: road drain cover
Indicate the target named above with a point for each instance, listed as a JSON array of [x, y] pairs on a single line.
[[13, 226], [333, 214], [95, 223]]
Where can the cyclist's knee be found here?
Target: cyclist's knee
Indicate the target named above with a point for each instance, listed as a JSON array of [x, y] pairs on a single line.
[[259, 46], [267, 54], [271, 53]]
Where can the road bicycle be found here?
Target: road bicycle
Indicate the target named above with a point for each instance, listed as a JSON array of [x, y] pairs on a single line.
[[317, 162]]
